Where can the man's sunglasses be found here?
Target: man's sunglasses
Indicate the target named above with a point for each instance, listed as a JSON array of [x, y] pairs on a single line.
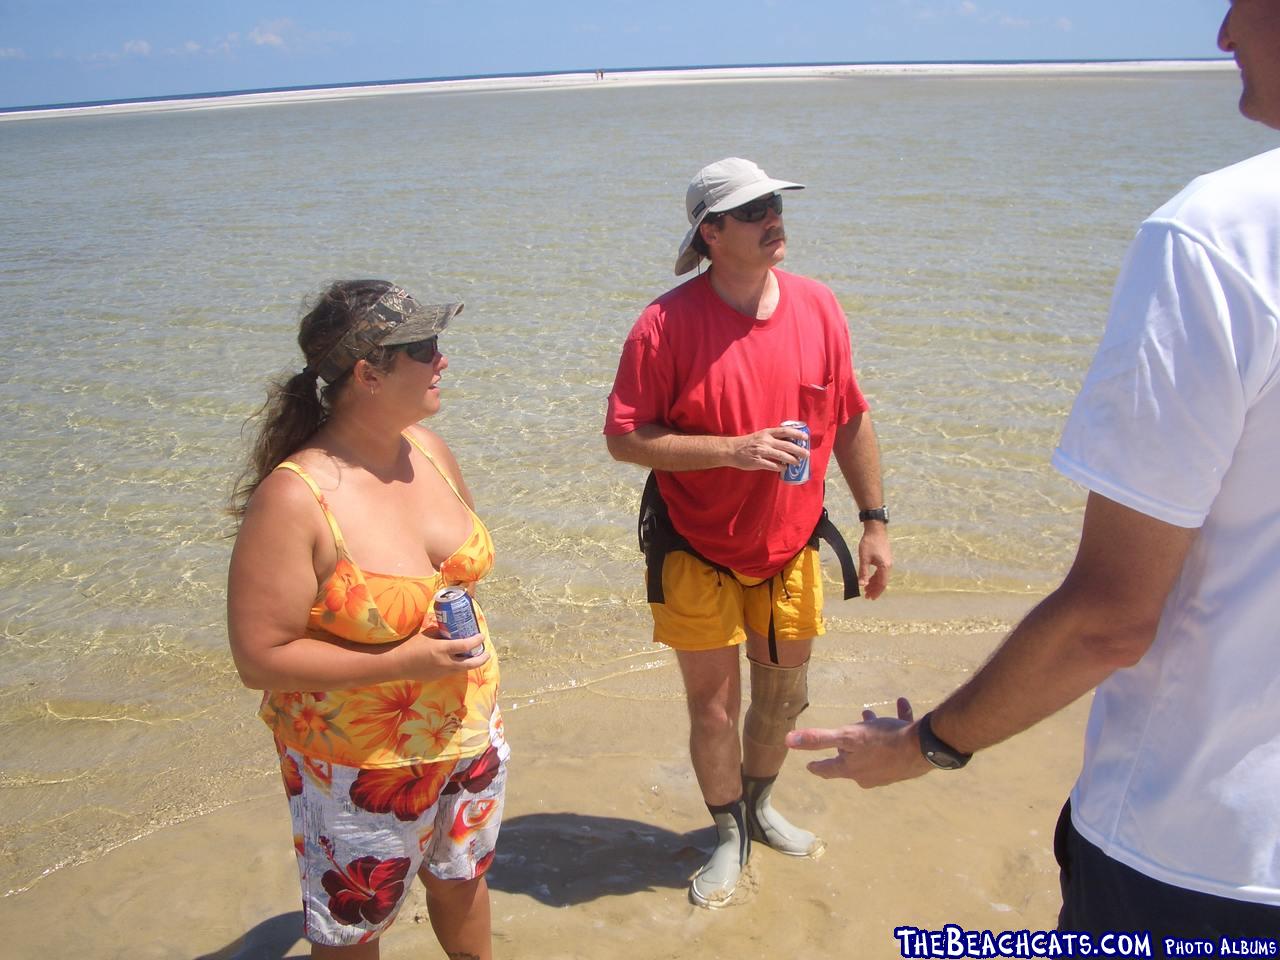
[[757, 209], [424, 351]]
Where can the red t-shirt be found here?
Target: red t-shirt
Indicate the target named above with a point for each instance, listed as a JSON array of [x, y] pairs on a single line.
[[696, 365]]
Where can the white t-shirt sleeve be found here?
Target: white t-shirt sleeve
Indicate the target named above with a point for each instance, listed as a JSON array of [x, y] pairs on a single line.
[[1187, 347]]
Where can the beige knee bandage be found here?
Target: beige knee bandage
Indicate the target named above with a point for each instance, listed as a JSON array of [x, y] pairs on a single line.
[[778, 696]]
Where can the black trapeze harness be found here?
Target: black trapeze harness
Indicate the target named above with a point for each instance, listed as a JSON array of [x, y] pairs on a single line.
[[658, 537]]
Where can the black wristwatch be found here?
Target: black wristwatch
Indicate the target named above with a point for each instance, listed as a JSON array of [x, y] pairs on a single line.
[[879, 513], [938, 752]]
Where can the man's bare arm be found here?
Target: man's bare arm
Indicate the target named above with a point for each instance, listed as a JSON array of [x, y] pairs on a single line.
[[661, 448], [858, 454], [1102, 618]]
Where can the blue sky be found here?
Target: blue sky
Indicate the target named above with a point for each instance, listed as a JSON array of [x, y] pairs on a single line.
[[60, 51]]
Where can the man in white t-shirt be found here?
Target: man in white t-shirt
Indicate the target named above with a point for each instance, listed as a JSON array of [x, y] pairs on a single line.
[[1171, 607]]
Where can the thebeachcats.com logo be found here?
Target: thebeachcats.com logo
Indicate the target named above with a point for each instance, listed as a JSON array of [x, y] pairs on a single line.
[[1221, 947], [954, 941]]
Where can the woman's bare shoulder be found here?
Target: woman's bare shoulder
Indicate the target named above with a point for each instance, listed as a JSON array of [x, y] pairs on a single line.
[[281, 497], [433, 442]]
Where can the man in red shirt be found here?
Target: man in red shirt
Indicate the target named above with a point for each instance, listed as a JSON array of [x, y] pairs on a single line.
[[708, 375]]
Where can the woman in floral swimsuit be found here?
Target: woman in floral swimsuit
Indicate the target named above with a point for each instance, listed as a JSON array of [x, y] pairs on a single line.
[[389, 734]]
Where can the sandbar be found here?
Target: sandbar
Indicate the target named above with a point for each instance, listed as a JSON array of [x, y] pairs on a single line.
[[630, 78]]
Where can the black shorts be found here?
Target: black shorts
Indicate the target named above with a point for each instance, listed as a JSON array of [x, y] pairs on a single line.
[[1100, 894]]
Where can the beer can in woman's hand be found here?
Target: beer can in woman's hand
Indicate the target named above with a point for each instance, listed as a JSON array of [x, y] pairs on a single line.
[[456, 617]]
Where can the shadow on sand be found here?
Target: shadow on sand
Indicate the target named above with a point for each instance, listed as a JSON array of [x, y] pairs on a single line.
[[559, 859], [270, 940]]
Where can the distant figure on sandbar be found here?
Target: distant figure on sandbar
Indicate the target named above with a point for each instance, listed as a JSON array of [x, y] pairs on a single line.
[[735, 389], [389, 734], [1170, 608]]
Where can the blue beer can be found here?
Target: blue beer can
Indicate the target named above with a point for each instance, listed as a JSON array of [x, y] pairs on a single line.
[[798, 473], [456, 616]]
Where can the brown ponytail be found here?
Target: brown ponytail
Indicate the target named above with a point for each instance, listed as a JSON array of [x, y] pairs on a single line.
[[297, 406]]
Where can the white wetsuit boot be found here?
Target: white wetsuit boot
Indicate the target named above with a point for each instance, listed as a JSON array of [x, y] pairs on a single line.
[[713, 885], [768, 826]]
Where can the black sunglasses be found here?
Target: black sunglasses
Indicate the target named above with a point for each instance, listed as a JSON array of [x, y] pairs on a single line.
[[424, 351], [757, 209]]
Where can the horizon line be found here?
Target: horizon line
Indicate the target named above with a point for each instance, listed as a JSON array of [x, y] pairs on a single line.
[[444, 82]]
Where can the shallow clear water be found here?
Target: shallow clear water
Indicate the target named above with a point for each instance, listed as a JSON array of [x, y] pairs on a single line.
[[154, 266]]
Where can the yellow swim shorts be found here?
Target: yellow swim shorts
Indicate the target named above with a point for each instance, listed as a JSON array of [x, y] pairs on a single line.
[[707, 609]]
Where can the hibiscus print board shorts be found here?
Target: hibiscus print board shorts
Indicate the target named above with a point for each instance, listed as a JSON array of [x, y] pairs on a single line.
[[362, 835]]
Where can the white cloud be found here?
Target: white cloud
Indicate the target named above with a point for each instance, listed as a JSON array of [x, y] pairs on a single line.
[[915, 11], [130, 48], [281, 35], [268, 34], [12, 53], [218, 46], [978, 12]]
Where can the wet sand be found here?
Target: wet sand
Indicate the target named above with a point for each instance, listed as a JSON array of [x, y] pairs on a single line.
[[604, 825]]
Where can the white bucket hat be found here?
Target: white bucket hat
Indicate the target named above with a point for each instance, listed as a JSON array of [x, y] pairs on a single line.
[[718, 187]]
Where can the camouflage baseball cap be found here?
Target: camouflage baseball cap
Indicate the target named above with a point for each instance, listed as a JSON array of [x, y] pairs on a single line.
[[394, 319]]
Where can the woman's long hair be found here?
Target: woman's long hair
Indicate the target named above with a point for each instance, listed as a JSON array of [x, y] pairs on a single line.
[[297, 406]]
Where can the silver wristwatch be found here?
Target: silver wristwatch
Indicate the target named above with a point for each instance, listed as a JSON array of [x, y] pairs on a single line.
[[937, 751]]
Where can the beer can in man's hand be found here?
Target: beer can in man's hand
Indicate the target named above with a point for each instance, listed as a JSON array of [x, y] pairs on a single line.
[[798, 472], [456, 617]]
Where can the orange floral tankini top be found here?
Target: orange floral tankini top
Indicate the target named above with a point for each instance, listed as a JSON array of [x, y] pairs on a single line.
[[402, 721]]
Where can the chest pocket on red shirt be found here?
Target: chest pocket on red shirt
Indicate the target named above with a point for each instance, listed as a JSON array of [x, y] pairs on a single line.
[[815, 410]]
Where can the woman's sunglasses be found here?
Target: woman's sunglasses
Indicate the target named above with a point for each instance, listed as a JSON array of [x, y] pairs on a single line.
[[757, 209], [424, 351]]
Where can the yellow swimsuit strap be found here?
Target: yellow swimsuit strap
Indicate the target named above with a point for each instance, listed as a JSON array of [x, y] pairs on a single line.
[[328, 514], [432, 460], [324, 507]]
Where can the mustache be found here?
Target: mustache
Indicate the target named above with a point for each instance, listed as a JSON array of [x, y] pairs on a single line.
[[772, 235]]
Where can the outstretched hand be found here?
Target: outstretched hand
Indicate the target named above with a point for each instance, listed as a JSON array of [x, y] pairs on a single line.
[[774, 448], [875, 752]]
